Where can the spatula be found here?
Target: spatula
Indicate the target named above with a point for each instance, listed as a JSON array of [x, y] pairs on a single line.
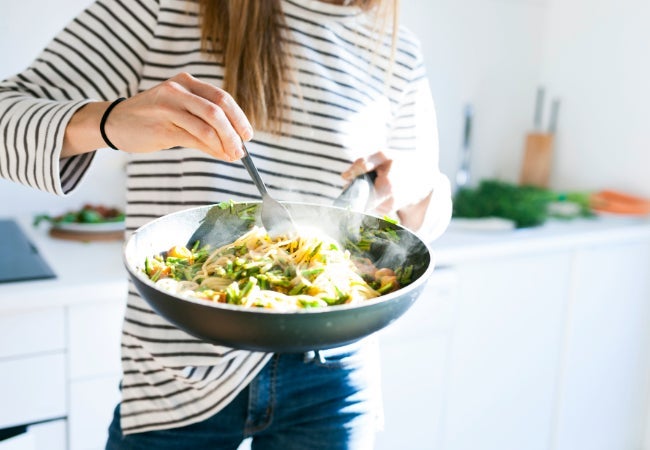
[[275, 216]]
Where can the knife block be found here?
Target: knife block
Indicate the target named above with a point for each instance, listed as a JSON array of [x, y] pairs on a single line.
[[538, 155]]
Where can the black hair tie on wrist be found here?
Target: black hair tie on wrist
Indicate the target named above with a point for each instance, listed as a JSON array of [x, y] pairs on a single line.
[[102, 123]]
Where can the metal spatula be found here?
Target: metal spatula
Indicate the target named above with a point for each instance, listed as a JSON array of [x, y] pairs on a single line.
[[359, 193], [275, 216]]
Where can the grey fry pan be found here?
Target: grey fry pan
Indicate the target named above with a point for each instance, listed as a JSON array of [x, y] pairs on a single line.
[[267, 330]]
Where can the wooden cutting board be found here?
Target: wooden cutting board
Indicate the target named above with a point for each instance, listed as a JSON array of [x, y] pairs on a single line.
[[87, 236]]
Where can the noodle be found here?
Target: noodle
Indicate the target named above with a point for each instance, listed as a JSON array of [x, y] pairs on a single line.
[[279, 273]]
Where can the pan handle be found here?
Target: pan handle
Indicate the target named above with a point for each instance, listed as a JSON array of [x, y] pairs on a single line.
[[357, 195]]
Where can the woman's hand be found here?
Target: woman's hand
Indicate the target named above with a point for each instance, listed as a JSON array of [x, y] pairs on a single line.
[[392, 194], [384, 199], [181, 111]]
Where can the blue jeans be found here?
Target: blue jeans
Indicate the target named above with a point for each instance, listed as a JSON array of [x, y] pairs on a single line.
[[307, 401]]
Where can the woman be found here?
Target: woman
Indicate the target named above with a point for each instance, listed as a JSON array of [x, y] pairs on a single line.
[[332, 90]]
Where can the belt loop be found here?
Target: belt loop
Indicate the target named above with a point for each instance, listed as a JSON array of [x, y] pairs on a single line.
[[309, 356], [314, 355]]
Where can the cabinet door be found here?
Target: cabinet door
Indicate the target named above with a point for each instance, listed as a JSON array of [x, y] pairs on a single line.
[[32, 333], [94, 339], [92, 403], [603, 397], [94, 356], [414, 355], [43, 436], [505, 351], [24, 441], [50, 435], [32, 389]]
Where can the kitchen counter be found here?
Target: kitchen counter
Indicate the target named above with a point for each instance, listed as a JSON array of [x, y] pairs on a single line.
[[85, 272], [68, 328], [522, 308], [460, 245]]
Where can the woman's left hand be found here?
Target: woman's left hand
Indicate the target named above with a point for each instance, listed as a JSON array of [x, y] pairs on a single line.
[[385, 199], [392, 195]]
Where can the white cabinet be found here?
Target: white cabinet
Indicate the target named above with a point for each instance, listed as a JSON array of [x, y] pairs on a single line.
[[31, 333], [49, 435], [602, 404], [60, 344], [504, 353], [92, 402], [33, 389], [414, 356], [32, 367], [60, 363], [544, 345], [94, 332]]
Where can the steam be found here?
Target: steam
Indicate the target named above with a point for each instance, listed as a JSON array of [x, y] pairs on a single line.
[[223, 225], [342, 225]]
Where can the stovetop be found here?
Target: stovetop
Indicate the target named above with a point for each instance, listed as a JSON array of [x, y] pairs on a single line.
[[19, 258]]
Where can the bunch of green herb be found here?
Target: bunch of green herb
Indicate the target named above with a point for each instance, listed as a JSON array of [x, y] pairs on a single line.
[[526, 206]]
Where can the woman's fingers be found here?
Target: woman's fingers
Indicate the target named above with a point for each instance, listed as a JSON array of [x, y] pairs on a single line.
[[193, 132], [365, 165], [220, 111], [224, 123], [384, 199], [224, 101], [211, 126]]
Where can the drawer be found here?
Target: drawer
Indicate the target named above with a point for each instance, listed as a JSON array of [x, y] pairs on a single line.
[[50, 435], [42, 436], [32, 332], [25, 441], [88, 421], [32, 389]]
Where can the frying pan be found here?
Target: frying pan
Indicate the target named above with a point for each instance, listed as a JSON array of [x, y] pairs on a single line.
[[266, 330]]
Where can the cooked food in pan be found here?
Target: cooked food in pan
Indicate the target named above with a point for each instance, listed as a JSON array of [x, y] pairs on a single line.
[[282, 273]]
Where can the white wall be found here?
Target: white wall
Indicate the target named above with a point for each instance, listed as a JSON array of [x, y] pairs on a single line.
[[487, 53], [591, 54], [26, 26], [597, 59]]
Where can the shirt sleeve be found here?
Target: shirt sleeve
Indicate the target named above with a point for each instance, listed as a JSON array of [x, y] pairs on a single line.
[[413, 139], [98, 56]]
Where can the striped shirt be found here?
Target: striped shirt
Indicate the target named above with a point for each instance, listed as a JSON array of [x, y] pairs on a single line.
[[342, 109]]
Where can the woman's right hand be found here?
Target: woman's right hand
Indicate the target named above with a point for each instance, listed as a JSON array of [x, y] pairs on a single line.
[[181, 111]]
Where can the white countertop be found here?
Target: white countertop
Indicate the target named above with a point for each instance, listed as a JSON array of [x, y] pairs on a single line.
[[459, 244], [85, 272], [94, 271]]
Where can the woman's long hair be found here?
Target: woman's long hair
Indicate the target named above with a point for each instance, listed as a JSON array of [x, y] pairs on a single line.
[[247, 37]]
